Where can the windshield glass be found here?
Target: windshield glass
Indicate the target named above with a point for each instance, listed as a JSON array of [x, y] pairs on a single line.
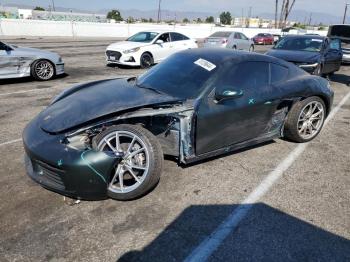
[[143, 37], [340, 31], [178, 76], [300, 44], [221, 34]]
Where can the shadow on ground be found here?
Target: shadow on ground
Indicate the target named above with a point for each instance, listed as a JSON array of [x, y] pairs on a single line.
[[341, 78], [267, 234]]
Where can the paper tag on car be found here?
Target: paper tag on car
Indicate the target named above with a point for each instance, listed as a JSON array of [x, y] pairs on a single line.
[[205, 64], [316, 40]]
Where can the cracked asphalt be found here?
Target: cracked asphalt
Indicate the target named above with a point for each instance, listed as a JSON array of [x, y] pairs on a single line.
[[304, 217]]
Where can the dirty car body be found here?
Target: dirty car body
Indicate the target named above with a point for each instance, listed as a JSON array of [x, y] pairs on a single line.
[[208, 108]]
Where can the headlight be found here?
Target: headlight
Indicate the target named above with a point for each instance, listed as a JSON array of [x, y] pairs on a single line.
[[131, 50], [60, 60], [77, 142]]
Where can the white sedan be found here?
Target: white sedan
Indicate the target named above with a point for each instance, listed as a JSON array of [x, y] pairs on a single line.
[[147, 48]]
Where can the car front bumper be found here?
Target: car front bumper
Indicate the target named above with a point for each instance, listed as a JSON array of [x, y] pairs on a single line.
[[346, 58], [60, 69], [131, 59], [82, 174], [310, 68]]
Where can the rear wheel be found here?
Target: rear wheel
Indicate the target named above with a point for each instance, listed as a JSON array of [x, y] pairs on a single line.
[[146, 60], [142, 160], [251, 48], [305, 120], [234, 47], [42, 70]]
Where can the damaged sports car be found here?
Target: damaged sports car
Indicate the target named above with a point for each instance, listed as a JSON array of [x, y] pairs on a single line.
[[108, 138]]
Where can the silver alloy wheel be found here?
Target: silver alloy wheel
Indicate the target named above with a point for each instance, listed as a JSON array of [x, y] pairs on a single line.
[[133, 168], [44, 70], [310, 120]]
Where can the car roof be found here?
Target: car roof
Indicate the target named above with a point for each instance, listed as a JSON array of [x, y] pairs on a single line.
[[221, 55], [306, 36]]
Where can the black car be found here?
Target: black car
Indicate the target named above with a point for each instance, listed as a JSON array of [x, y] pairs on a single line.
[[108, 138], [315, 54]]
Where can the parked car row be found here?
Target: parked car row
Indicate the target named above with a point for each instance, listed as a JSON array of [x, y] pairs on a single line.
[[313, 53]]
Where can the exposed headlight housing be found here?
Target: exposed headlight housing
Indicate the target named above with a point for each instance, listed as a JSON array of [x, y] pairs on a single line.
[[60, 60], [131, 50]]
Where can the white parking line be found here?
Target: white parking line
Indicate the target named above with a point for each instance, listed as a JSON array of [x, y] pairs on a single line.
[[214, 240], [11, 142]]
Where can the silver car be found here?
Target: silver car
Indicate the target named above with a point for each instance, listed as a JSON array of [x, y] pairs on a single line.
[[18, 62], [229, 39]]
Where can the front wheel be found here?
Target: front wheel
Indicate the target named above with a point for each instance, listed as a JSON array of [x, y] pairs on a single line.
[[141, 164], [305, 120], [42, 70], [146, 60]]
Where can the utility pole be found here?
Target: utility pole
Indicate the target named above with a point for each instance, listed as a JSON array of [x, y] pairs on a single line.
[[159, 17], [53, 5], [346, 9], [276, 10]]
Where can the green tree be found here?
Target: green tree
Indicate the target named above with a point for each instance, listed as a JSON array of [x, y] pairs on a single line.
[[144, 20], [114, 14], [150, 20], [185, 20], [209, 20], [38, 8], [225, 18], [199, 20]]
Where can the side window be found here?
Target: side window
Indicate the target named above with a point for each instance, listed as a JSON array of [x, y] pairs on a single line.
[[178, 37], [165, 38], [247, 76], [335, 44], [3, 46], [237, 36], [243, 36], [278, 73]]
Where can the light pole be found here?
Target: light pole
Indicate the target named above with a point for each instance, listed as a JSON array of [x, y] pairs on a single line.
[[159, 11], [346, 8]]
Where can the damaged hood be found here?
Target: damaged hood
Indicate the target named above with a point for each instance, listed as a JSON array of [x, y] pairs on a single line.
[[295, 56], [126, 45], [88, 102]]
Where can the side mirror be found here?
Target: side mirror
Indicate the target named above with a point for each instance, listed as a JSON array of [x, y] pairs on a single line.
[[159, 42], [225, 94]]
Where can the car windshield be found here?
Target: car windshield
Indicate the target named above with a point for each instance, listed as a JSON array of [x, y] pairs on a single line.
[[182, 76], [143, 37], [300, 44], [221, 34]]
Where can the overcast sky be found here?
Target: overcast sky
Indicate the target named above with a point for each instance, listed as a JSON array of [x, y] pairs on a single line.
[[334, 7]]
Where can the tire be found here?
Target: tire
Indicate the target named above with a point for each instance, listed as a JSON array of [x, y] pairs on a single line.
[[151, 157], [251, 48], [42, 70], [234, 47], [295, 129], [146, 60]]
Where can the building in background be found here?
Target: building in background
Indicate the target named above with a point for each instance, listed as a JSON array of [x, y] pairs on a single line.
[[68, 16], [25, 13]]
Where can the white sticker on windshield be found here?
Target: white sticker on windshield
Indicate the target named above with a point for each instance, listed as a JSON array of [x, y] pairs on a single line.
[[316, 40], [205, 64]]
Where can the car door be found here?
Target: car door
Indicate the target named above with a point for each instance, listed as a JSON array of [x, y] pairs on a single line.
[[179, 41], [240, 118], [332, 56], [245, 42], [9, 62], [238, 41], [162, 50]]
